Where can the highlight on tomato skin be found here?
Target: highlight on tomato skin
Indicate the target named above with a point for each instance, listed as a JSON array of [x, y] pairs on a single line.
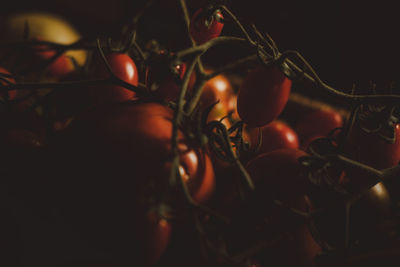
[[204, 27], [263, 95], [123, 66]]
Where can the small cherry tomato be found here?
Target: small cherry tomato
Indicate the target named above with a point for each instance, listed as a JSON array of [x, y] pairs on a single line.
[[318, 123], [263, 95], [370, 149], [60, 67], [275, 135], [11, 94], [125, 69], [206, 25], [218, 89], [117, 160], [160, 79]]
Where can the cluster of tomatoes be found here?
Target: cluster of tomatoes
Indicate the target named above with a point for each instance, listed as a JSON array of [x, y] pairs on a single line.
[[97, 155]]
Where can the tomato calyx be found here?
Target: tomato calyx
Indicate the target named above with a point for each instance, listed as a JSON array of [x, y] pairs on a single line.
[[379, 120]]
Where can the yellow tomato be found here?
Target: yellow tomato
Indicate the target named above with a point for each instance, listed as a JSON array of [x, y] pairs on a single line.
[[46, 26]]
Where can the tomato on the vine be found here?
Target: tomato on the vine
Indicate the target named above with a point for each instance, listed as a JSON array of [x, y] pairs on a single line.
[[60, 67], [275, 135], [206, 25], [11, 94], [122, 66], [164, 82], [318, 123], [263, 95], [277, 175]]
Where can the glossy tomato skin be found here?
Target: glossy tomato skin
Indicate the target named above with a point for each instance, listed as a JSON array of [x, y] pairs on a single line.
[[204, 27], [263, 95], [318, 123], [275, 135], [11, 94], [218, 89], [125, 69]]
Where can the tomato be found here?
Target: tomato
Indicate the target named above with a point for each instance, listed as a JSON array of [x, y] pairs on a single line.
[[60, 67], [218, 89], [160, 80], [116, 160], [263, 95], [206, 25], [372, 150], [124, 68], [47, 26], [277, 175], [275, 135], [318, 123], [11, 94], [366, 215]]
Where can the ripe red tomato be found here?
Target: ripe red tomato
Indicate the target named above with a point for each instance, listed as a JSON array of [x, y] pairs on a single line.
[[60, 67], [124, 68], [157, 233], [277, 175], [263, 95], [370, 149], [205, 25], [11, 94], [218, 89], [117, 160], [275, 135], [140, 134], [165, 84], [318, 123]]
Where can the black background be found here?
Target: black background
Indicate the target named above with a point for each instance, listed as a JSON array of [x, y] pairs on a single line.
[[346, 41]]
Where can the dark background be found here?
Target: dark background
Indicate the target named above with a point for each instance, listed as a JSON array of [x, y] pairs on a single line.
[[347, 42]]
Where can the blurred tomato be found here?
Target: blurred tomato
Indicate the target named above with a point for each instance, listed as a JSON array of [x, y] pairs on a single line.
[[165, 81], [47, 26], [11, 94], [275, 135], [263, 95], [318, 123]]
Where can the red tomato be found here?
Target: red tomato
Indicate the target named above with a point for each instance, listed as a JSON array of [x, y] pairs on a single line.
[[12, 93], [372, 150], [60, 67], [205, 26], [157, 233], [263, 95], [124, 68], [166, 84], [318, 123], [218, 89], [116, 159], [366, 215], [275, 135], [277, 175]]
